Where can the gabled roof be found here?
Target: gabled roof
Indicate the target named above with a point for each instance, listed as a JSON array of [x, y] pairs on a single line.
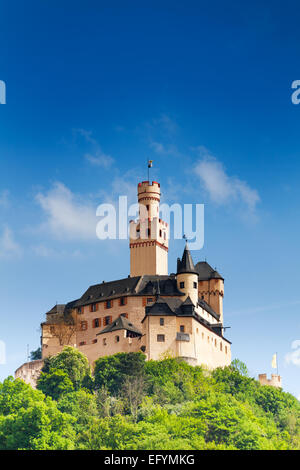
[[206, 272], [163, 307], [186, 264], [139, 285], [58, 308], [158, 285], [107, 290], [188, 301], [121, 323]]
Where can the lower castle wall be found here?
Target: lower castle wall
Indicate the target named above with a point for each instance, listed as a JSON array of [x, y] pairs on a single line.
[[29, 372]]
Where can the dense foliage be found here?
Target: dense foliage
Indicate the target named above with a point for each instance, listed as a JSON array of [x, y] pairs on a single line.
[[129, 403]]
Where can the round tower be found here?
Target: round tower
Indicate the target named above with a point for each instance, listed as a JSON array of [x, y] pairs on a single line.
[[187, 276], [149, 237], [148, 199]]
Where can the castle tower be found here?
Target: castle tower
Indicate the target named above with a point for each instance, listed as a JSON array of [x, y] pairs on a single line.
[[187, 276], [211, 287], [149, 235], [275, 380]]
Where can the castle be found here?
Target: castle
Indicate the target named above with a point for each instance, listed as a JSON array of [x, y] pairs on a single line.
[[178, 314]]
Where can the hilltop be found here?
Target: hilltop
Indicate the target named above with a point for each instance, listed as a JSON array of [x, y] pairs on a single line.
[[130, 403]]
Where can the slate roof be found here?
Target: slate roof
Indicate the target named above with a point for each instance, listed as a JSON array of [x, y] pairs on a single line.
[[163, 285], [139, 285], [58, 308], [172, 306], [121, 323], [108, 290], [208, 308], [206, 272], [186, 264]]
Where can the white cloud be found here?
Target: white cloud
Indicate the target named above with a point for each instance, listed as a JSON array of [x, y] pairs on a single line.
[[48, 252], [67, 215], [96, 157], [222, 188], [99, 159], [293, 357], [8, 246], [164, 149]]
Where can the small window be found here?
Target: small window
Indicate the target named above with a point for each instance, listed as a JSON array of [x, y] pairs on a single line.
[[221, 347], [161, 321], [181, 328], [82, 343], [147, 207], [124, 315], [104, 341], [83, 325], [195, 285], [202, 297], [117, 339], [149, 233], [122, 301], [93, 307], [79, 310], [96, 322], [181, 285], [149, 300], [216, 343], [160, 233], [94, 341], [107, 320], [160, 338], [108, 304]]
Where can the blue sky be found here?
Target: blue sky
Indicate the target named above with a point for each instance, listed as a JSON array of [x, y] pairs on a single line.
[[202, 88]]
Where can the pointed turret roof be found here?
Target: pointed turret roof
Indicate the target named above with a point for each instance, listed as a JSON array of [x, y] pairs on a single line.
[[186, 264]]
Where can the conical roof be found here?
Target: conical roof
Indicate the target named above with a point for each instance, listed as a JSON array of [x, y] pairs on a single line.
[[186, 264]]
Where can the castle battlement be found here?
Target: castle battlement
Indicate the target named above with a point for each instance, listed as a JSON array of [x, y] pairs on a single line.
[[275, 380]]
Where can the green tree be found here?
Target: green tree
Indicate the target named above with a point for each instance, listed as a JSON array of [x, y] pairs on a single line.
[[54, 383], [73, 363], [35, 355], [29, 420], [111, 371]]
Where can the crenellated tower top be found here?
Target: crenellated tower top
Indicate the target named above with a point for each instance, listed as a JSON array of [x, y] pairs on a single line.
[[149, 234]]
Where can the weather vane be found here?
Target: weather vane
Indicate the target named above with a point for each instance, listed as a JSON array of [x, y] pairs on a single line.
[[150, 162]]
